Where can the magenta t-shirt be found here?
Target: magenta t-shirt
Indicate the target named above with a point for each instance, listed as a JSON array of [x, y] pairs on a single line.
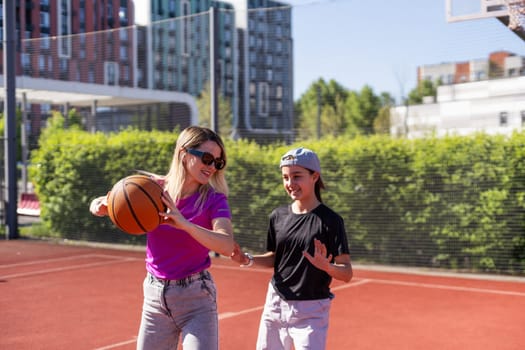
[[172, 253]]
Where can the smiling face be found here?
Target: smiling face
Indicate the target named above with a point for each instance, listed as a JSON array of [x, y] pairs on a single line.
[[299, 182], [197, 172]]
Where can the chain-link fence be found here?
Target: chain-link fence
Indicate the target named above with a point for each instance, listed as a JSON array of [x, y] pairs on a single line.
[[246, 66]]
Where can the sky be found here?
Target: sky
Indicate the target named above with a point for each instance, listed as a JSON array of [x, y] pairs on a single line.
[[381, 43]]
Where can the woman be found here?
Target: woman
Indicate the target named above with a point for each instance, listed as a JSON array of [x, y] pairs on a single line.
[[179, 292], [307, 247]]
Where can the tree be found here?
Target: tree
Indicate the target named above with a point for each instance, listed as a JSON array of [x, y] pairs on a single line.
[[364, 108], [225, 112], [338, 111], [382, 121], [322, 104], [424, 88], [74, 119]]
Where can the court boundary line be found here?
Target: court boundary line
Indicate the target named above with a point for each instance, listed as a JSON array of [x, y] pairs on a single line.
[[117, 345], [400, 282], [112, 260], [421, 271], [72, 257], [447, 287]]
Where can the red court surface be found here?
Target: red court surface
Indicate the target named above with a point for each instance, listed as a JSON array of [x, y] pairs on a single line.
[[76, 297]]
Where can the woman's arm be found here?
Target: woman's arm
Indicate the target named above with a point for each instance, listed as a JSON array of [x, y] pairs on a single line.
[[218, 239]]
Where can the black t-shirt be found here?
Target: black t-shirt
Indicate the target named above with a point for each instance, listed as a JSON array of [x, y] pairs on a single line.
[[289, 234]]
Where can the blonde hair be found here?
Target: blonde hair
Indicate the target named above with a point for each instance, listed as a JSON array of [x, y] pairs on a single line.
[[193, 137]]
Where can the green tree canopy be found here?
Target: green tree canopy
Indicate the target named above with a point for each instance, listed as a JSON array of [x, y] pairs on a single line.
[[424, 88], [330, 109]]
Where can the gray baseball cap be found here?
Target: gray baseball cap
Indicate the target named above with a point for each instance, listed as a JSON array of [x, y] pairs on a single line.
[[303, 157]]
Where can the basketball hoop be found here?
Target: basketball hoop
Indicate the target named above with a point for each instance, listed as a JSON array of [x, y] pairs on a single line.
[[516, 10]]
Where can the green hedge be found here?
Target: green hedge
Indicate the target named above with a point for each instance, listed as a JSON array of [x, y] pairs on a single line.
[[453, 202]]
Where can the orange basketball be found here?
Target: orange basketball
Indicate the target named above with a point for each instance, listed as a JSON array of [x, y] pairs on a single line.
[[134, 204]]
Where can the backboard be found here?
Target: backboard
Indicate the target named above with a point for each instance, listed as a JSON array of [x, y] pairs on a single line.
[[464, 10]]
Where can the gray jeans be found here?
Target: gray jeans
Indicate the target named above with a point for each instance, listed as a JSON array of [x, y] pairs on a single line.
[[184, 309]]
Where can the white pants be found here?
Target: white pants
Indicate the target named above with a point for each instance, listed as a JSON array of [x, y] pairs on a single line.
[[301, 323]]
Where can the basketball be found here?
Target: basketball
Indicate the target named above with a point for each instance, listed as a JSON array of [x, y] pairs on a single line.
[[134, 204]]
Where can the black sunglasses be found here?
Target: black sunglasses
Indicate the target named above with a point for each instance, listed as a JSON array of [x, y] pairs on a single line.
[[207, 158]]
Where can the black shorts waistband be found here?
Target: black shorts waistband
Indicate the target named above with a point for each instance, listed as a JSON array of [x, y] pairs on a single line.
[[183, 282]]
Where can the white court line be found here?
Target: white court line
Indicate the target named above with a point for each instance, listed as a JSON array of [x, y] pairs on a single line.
[[73, 257], [44, 261], [396, 282], [429, 285], [117, 345], [444, 286], [225, 315], [353, 284], [67, 268]]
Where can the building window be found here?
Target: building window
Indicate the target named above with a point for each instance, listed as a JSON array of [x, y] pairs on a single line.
[[503, 119], [44, 19], [123, 15], [91, 74], [269, 75], [111, 73], [64, 67], [26, 60], [64, 29], [82, 19], [279, 107], [123, 53], [123, 34], [279, 91], [186, 29], [125, 73], [263, 99], [171, 8], [42, 63]]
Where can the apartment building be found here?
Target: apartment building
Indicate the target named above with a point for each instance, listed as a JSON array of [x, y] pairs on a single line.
[[50, 44], [254, 62], [500, 64], [102, 47], [82, 54]]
